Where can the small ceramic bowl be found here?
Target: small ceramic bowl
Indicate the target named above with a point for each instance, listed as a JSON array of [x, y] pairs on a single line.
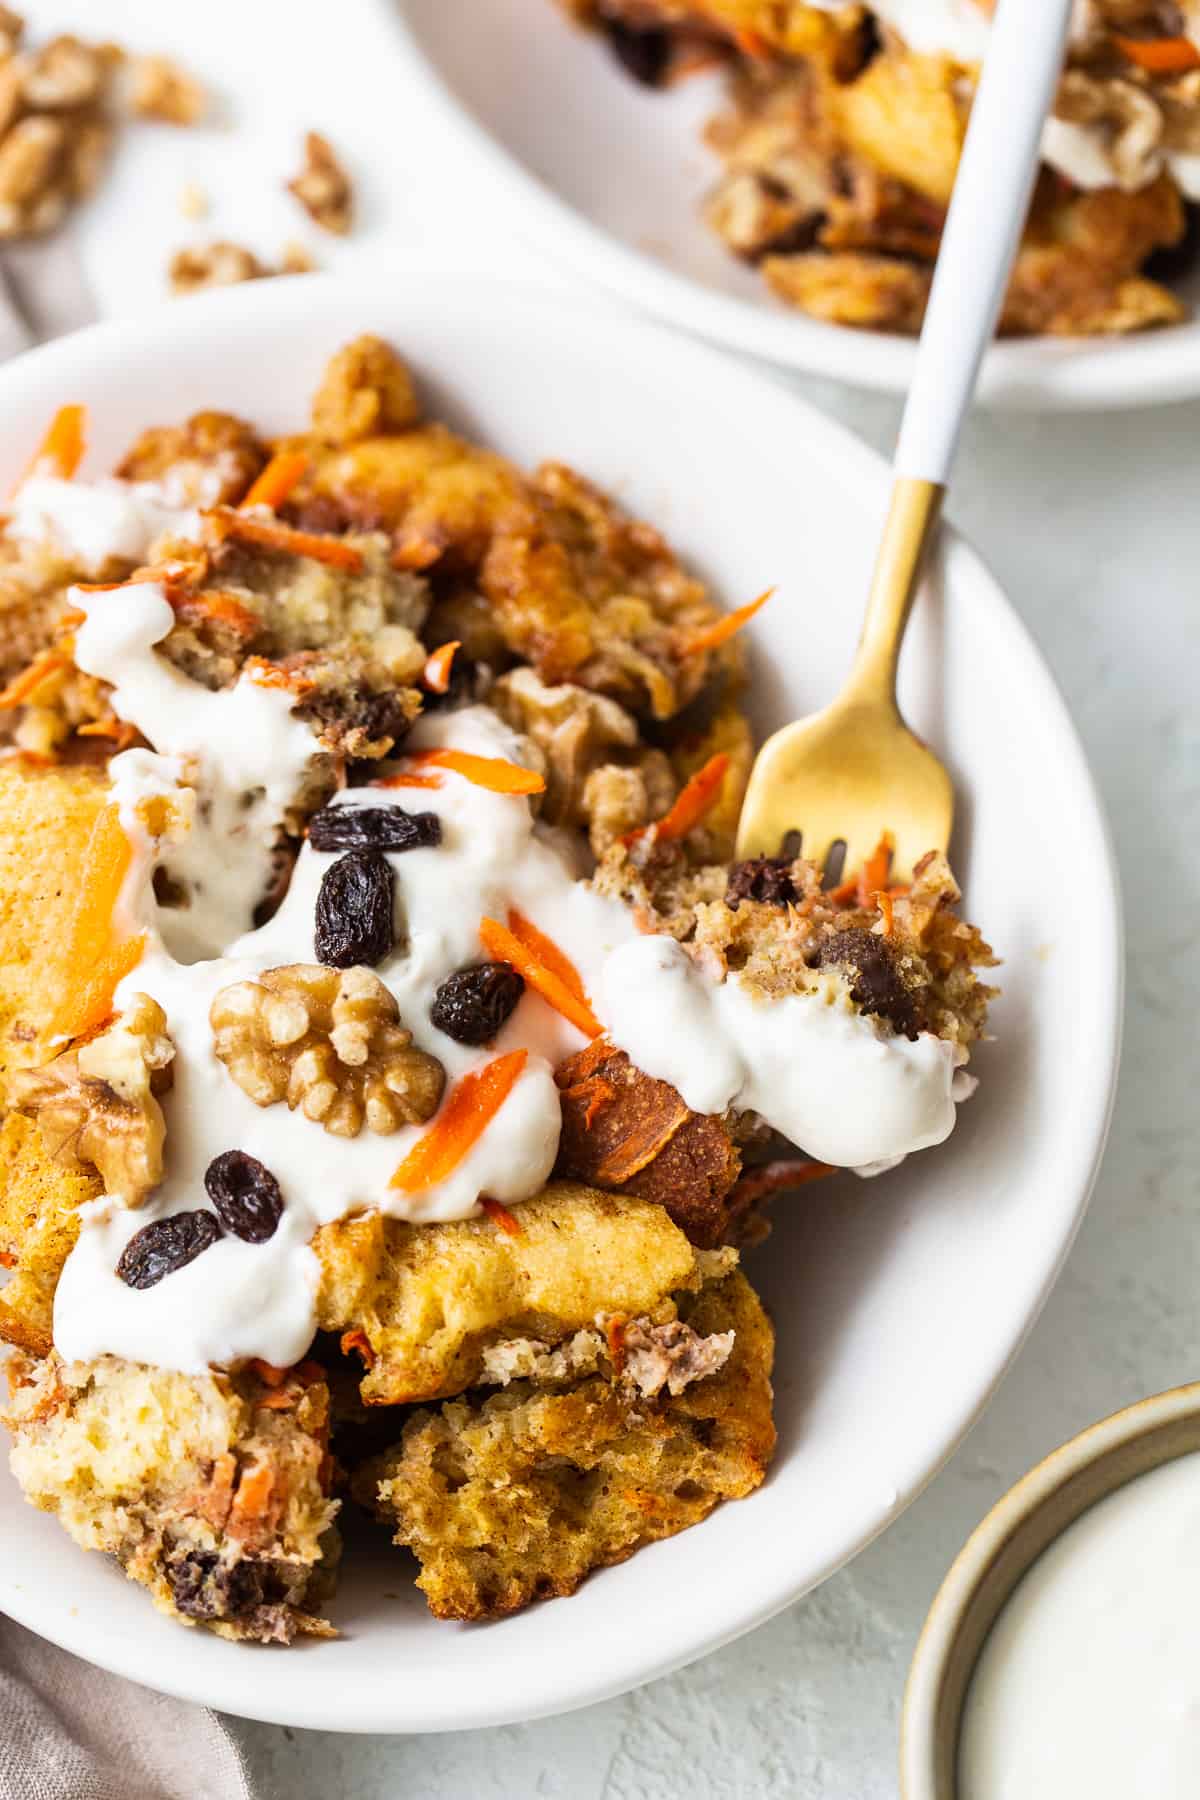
[[1002, 1550]]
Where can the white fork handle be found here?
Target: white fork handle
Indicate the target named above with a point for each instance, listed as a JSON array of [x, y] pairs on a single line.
[[987, 213]]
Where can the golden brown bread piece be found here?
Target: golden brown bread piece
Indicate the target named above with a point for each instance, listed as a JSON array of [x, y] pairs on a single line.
[[210, 1490], [38, 1228], [46, 816], [428, 1300], [518, 1496], [623, 1131]]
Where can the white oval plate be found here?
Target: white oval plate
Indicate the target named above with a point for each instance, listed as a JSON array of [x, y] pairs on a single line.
[[609, 178], [898, 1302]]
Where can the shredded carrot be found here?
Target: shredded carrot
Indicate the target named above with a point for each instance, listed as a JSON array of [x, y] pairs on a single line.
[[871, 879], [269, 534], [61, 450], [696, 798], [120, 731], [8, 1259], [357, 1339], [269, 675], [270, 1373], [465, 1115], [164, 573], [886, 912], [216, 606], [19, 689], [752, 43], [500, 1216], [485, 771], [408, 780], [502, 945], [546, 951], [1160, 56], [720, 632], [285, 471], [416, 553], [92, 964], [254, 1492], [436, 673]]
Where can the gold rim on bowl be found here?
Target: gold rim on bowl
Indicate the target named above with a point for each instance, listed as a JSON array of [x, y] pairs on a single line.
[[1001, 1550]]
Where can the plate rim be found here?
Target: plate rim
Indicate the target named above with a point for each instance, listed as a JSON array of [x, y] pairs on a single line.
[[863, 468], [1042, 374]]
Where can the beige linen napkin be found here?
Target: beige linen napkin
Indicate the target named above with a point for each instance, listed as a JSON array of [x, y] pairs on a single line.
[[72, 1732]]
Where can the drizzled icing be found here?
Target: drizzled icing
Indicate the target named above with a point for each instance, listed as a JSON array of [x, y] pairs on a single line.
[[232, 762], [97, 522]]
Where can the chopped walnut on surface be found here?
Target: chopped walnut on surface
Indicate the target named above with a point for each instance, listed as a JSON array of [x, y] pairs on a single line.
[[366, 390], [162, 90], [220, 264], [331, 1044], [54, 131], [97, 1106], [323, 187]]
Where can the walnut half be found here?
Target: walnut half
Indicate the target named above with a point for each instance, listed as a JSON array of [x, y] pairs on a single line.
[[96, 1106], [329, 1042]]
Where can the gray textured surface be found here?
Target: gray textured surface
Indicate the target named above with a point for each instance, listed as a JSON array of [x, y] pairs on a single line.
[[1091, 526]]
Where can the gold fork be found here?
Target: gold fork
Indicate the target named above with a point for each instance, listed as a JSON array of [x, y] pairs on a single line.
[[855, 771]]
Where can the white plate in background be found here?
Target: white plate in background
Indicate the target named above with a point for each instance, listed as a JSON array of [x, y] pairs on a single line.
[[898, 1302], [608, 177]]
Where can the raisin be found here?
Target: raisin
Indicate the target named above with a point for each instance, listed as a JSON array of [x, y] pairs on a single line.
[[767, 879], [354, 911], [373, 828], [165, 1245], [875, 983], [245, 1195], [474, 1003], [203, 1587], [643, 52]]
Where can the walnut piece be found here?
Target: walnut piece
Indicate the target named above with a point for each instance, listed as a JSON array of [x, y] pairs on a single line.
[[220, 264], [329, 1042], [54, 135], [323, 187], [162, 90], [366, 389], [223, 264], [97, 1106]]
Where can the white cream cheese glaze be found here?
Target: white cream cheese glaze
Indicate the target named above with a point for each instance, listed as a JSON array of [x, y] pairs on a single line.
[[97, 522], [831, 1079], [1088, 1687], [793, 1060]]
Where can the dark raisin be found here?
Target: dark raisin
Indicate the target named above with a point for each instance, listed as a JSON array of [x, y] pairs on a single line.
[[373, 828], [203, 1587], [643, 52], [767, 879], [354, 911], [245, 1195], [473, 1004], [165, 1245], [875, 983]]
